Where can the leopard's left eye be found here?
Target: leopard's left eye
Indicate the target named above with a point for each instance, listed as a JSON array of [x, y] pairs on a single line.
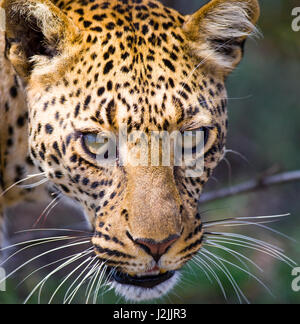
[[95, 144]]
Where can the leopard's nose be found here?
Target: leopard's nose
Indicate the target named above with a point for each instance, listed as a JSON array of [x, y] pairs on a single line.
[[157, 249]]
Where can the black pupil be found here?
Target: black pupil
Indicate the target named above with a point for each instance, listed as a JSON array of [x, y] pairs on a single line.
[[205, 137]]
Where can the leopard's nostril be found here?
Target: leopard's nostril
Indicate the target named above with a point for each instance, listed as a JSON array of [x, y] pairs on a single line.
[[157, 249]]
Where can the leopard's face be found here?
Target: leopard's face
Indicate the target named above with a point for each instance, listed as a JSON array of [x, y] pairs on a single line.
[[134, 66]]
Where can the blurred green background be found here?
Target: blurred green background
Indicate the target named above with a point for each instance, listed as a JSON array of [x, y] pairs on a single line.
[[264, 127]]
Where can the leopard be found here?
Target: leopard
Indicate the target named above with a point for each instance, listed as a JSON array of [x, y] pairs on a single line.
[[73, 71]]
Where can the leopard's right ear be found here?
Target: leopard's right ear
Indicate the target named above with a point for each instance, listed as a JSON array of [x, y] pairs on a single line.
[[217, 32], [36, 33]]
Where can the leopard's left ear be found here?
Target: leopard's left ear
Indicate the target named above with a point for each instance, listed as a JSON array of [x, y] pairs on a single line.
[[217, 32]]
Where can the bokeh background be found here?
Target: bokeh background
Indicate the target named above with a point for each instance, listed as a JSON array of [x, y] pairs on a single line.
[[264, 115]]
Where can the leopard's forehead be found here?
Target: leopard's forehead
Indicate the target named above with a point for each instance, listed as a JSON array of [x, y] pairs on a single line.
[[133, 68]]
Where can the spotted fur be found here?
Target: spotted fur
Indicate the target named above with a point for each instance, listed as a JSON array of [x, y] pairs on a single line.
[[74, 67]]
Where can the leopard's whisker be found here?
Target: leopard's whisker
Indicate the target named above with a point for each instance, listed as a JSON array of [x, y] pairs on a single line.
[[198, 259], [90, 280], [201, 267], [235, 256], [233, 253], [45, 266], [259, 248], [49, 207], [30, 176], [50, 210], [83, 254], [39, 256], [102, 274], [32, 241], [229, 167], [107, 280], [33, 185], [261, 244], [53, 229], [44, 280], [253, 218], [191, 269], [36, 242], [69, 298], [241, 269], [261, 225], [93, 282], [75, 290], [68, 295], [244, 221], [228, 275], [96, 290], [253, 242], [271, 252], [240, 155]]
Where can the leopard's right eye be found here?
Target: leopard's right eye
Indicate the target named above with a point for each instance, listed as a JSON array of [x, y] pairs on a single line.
[[198, 140]]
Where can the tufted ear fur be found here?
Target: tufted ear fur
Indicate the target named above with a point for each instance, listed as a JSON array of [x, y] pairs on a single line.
[[36, 31], [217, 32]]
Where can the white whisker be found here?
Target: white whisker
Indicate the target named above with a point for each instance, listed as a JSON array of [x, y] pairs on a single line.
[[33, 185], [45, 266], [235, 254], [93, 282], [39, 256], [49, 207], [228, 275], [241, 269], [252, 246], [39, 242], [53, 229], [31, 176], [83, 254], [102, 274], [90, 272], [213, 273], [260, 244], [239, 155], [40, 285]]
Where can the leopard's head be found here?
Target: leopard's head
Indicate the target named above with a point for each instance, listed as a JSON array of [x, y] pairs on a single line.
[[96, 70]]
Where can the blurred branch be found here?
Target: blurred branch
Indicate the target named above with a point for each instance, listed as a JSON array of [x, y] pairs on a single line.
[[251, 186]]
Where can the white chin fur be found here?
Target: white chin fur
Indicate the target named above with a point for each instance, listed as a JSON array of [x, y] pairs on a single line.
[[138, 294]]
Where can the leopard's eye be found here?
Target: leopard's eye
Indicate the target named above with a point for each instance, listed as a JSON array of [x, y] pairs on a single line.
[[199, 140], [210, 136], [96, 144]]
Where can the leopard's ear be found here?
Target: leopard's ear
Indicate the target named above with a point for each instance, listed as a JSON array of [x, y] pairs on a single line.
[[217, 32], [36, 32]]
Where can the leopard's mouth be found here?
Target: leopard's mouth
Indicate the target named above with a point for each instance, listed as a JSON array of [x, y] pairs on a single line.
[[143, 281], [144, 287]]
